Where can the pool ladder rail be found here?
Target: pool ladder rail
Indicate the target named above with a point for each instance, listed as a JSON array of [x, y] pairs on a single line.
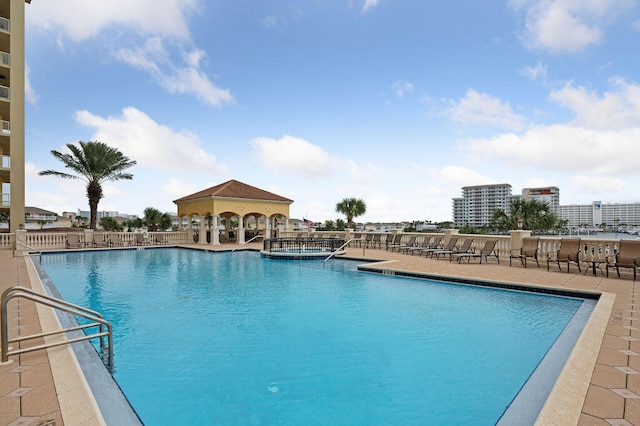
[[105, 330], [339, 248]]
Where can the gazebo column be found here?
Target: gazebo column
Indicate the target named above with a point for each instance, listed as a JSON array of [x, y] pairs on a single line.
[[189, 230], [215, 233], [202, 232], [268, 226], [240, 230]]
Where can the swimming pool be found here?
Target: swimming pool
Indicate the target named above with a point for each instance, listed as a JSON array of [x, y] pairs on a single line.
[[205, 337]]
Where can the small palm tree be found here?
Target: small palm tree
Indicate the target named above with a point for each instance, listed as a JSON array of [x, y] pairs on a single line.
[[351, 207], [94, 162], [155, 220]]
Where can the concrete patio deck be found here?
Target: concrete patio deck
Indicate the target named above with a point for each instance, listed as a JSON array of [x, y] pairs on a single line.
[[35, 391]]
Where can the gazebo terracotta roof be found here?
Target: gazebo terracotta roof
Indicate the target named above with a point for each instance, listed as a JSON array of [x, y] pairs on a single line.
[[235, 189]]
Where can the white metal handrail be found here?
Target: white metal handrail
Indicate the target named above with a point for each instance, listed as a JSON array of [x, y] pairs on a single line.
[[337, 250], [27, 246], [246, 242], [105, 329]]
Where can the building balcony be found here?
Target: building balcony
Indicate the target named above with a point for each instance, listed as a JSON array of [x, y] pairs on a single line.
[[6, 200], [5, 128], [5, 162], [5, 24], [4, 92], [5, 59]]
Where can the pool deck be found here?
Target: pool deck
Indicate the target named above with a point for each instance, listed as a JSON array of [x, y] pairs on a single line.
[[601, 381]]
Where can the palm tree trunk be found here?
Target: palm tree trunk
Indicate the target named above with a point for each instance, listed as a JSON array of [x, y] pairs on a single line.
[[94, 194]]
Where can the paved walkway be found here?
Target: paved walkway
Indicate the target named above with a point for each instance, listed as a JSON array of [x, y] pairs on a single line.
[[29, 394]]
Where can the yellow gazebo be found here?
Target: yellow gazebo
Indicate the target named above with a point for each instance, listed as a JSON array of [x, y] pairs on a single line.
[[228, 200]]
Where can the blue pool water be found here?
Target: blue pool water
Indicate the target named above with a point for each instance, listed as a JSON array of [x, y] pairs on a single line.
[[204, 338]]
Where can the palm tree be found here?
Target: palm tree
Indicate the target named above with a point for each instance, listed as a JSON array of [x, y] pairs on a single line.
[[534, 214], [155, 220], [94, 162], [351, 207]]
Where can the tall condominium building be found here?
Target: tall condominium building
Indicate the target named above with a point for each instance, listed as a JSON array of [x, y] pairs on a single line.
[[12, 111], [598, 214], [478, 203], [548, 194]]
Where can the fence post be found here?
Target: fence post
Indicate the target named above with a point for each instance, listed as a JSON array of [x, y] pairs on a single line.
[[448, 233], [517, 236], [21, 237]]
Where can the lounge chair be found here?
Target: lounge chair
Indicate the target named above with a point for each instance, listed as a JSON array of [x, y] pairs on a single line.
[[489, 249], [568, 252], [450, 246], [412, 243], [628, 256], [101, 239], [464, 248], [367, 239], [529, 250], [392, 241], [357, 240], [160, 239], [426, 243], [375, 241], [142, 239], [74, 240], [401, 246], [434, 244]]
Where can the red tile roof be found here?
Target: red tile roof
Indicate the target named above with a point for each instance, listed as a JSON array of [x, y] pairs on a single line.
[[235, 189]]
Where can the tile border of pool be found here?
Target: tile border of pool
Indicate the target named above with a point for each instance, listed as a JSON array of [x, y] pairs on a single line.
[[567, 398]]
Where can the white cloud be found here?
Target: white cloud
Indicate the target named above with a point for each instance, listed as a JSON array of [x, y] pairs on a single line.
[[567, 25], [483, 109], [270, 21], [369, 4], [462, 176], [291, 154], [151, 144], [401, 87], [82, 19], [598, 185], [617, 109], [535, 73], [61, 198], [564, 149], [154, 59], [177, 188], [29, 92]]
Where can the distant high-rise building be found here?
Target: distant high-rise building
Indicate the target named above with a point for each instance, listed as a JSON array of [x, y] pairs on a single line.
[[12, 111], [600, 214], [548, 194], [478, 203]]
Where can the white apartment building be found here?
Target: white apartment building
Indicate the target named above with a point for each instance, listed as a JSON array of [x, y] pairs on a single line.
[[598, 214], [548, 194], [478, 203]]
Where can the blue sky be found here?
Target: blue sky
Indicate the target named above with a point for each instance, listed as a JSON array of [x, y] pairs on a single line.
[[399, 103]]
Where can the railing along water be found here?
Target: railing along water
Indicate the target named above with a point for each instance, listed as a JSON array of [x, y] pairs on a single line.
[[105, 329]]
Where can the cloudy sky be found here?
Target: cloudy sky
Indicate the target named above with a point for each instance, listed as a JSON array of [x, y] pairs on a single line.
[[399, 103]]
